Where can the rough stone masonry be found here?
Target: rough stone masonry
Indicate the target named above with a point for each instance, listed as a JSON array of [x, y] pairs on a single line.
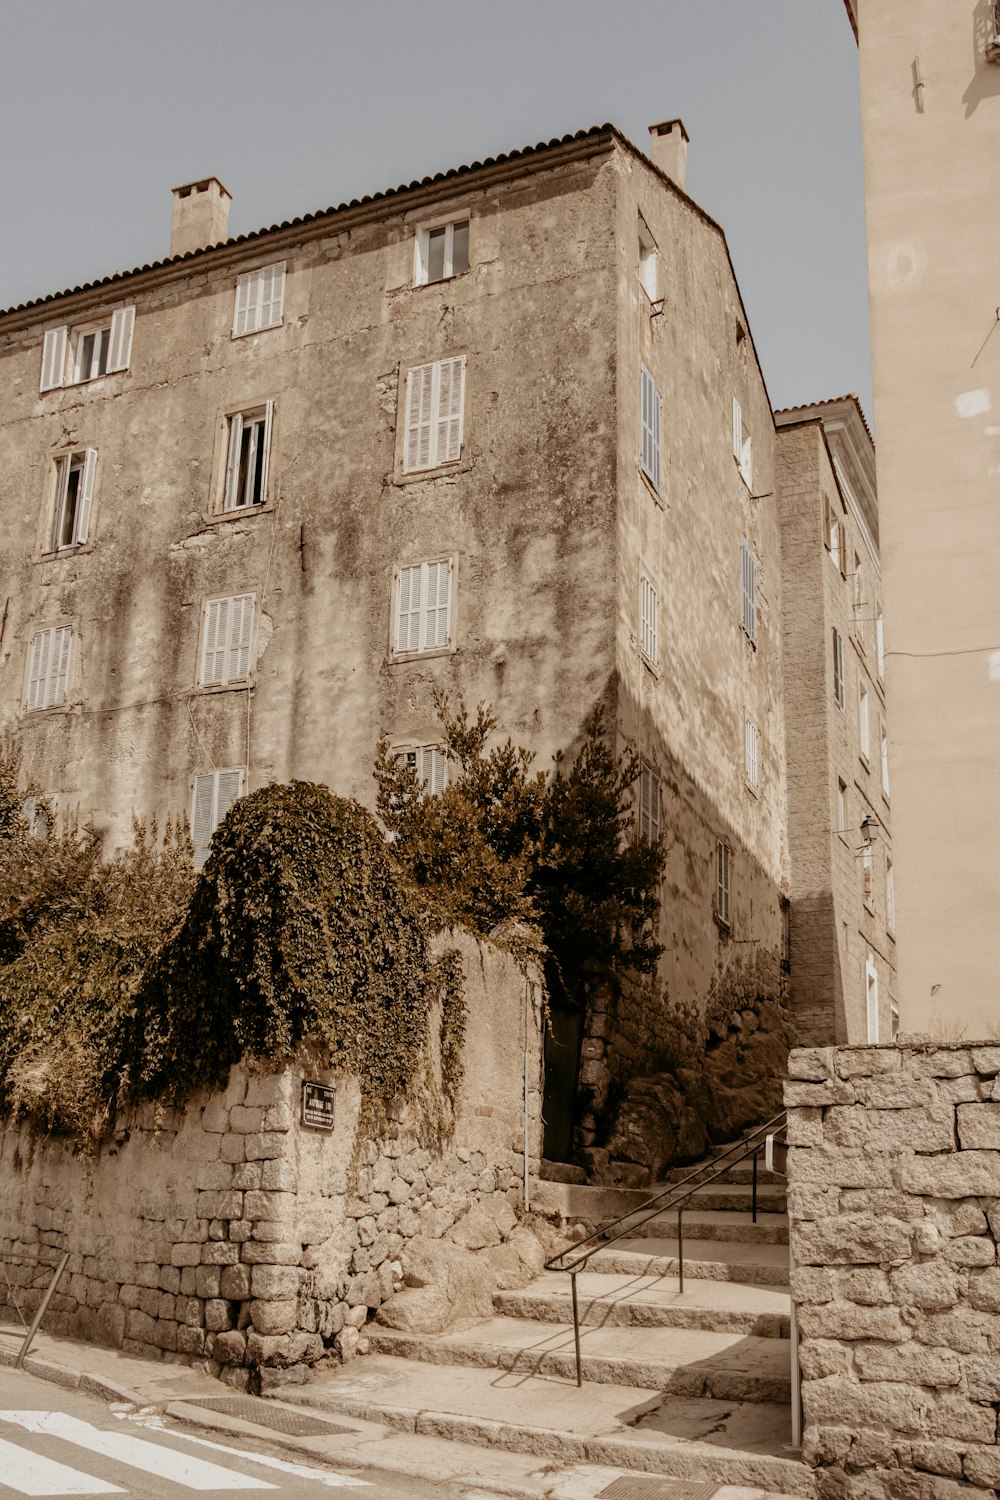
[[894, 1210]]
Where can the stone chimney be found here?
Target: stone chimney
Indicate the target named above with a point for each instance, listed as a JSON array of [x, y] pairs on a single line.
[[668, 148], [201, 215]]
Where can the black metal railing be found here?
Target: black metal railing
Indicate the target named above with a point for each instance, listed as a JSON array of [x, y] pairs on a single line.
[[674, 1198]]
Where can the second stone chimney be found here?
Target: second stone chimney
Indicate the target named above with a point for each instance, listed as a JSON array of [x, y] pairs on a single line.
[[668, 148], [201, 215]]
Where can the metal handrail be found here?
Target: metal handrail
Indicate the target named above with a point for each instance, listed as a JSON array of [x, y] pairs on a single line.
[[676, 1196]]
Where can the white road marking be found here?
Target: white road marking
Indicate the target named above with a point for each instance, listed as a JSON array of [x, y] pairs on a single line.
[[137, 1453], [31, 1474], [300, 1471]]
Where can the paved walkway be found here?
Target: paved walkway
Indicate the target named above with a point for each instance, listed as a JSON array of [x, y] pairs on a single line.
[[173, 1389]]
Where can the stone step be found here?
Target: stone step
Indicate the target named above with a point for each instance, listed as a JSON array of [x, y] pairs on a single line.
[[750, 1264], [742, 1172], [607, 1300], [683, 1361], [629, 1427], [598, 1205]]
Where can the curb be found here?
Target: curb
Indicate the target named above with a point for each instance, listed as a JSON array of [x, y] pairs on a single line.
[[72, 1380]]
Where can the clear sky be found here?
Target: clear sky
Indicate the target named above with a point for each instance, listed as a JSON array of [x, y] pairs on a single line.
[[298, 105]]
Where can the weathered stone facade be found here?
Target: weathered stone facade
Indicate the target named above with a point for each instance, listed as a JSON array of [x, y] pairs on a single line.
[[230, 1232], [894, 1209]]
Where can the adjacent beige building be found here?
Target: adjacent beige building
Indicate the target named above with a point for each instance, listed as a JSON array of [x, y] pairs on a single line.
[[842, 969], [502, 432], [930, 97]]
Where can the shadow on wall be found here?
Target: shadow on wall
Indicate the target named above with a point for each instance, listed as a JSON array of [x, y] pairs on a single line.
[[628, 1079], [817, 999], [985, 80]]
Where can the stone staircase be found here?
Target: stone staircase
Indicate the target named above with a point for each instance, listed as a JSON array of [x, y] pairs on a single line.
[[693, 1385]]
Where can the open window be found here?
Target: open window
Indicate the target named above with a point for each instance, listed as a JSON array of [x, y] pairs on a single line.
[[248, 448], [76, 353], [74, 493]]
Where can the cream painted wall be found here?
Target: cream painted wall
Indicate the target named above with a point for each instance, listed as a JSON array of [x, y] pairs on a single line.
[[931, 111]]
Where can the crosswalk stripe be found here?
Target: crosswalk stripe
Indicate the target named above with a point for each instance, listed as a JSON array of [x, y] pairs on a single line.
[[300, 1471], [31, 1474], [121, 1447]]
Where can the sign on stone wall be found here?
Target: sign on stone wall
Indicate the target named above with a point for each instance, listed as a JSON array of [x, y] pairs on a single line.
[[317, 1105]]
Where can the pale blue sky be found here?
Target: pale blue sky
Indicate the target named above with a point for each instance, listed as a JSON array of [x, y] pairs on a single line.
[[298, 105]]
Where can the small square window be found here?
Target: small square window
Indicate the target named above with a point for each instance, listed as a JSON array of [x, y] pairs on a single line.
[[248, 448], [260, 300], [73, 495], [442, 251]]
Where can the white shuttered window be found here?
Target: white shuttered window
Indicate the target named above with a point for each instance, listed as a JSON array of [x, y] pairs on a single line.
[[752, 755], [648, 620], [748, 591], [260, 297], [214, 794], [227, 641], [839, 693], [94, 349], [649, 427], [723, 880], [871, 998], [431, 765], [435, 402], [742, 445], [649, 805], [48, 667], [423, 607], [248, 454]]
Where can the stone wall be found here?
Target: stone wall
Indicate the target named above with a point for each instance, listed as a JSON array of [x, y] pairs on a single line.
[[894, 1208], [230, 1232]]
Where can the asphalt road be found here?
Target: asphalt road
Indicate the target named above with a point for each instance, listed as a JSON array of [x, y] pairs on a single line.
[[55, 1442]]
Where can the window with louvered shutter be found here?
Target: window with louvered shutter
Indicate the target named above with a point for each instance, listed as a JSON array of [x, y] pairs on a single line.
[[648, 621], [890, 898], [864, 737], [435, 400], [53, 358], [227, 640], [260, 297], [752, 755], [871, 999], [431, 765], [649, 804], [248, 450], [880, 646], [649, 427], [723, 880], [884, 751], [214, 794], [423, 607], [748, 591], [48, 667], [866, 874], [742, 445], [122, 326], [839, 691]]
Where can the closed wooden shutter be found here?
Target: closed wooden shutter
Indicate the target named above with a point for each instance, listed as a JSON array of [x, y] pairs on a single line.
[[240, 637], [648, 643], [86, 493], [230, 789], [265, 457], [419, 413], [649, 805], [213, 656], [408, 609], [62, 647], [752, 753], [122, 325], [38, 670], [272, 295], [247, 295], [450, 396], [53, 358], [434, 769], [202, 816], [437, 608]]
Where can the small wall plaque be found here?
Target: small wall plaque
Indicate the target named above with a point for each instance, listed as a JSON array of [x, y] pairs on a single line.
[[317, 1105]]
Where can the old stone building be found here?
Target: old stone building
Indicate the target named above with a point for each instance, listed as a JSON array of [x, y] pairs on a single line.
[[842, 956], [501, 432]]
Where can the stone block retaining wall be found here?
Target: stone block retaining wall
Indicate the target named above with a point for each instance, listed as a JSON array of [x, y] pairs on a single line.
[[894, 1209], [229, 1232]]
